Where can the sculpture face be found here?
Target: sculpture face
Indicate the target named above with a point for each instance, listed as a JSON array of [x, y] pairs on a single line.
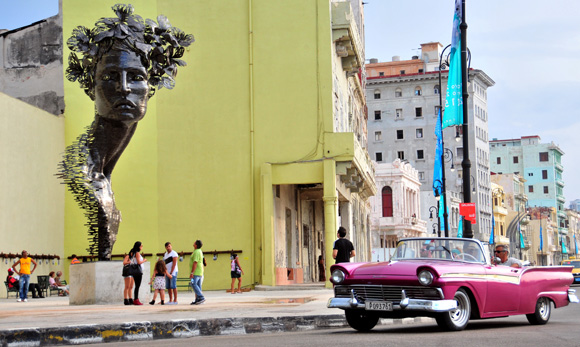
[[121, 88]]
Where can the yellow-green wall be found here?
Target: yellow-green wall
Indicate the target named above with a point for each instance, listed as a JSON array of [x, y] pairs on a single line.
[[32, 204], [257, 89]]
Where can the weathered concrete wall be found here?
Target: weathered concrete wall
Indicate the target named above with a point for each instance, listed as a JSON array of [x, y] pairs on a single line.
[[32, 204], [31, 64]]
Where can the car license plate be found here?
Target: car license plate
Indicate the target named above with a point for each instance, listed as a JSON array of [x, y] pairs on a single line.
[[379, 305]]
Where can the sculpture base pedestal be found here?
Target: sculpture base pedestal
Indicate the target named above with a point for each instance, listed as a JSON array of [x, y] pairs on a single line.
[[101, 283]]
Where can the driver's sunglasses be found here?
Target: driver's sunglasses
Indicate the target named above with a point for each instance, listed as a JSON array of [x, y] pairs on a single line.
[[498, 251]]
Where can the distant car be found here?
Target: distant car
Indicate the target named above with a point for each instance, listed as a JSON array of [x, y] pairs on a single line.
[[576, 270], [449, 279]]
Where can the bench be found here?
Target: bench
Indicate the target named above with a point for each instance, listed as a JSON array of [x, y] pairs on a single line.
[[11, 290], [56, 290]]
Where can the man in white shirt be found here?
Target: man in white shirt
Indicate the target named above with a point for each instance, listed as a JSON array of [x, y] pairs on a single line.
[[502, 253], [170, 258]]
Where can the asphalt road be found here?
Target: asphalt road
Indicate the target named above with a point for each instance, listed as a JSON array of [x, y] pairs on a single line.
[[563, 329]]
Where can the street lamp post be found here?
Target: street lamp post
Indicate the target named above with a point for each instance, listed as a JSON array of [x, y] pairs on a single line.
[[435, 226], [436, 210]]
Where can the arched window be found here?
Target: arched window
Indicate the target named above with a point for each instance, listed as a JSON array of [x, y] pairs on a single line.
[[398, 93], [418, 91], [387, 202], [377, 94]]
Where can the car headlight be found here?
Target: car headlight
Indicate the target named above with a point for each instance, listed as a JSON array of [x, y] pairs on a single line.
[[337, 276], [425, 277]]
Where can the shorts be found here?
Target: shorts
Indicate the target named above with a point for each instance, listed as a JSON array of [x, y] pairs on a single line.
[[171, 283], [159, 283], [236, 274]]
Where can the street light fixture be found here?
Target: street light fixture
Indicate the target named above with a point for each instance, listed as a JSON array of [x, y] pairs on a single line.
[[438, 224]]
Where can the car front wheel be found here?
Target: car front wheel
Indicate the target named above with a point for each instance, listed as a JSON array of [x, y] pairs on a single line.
[[361, 320], [457, 319], [542, 314]]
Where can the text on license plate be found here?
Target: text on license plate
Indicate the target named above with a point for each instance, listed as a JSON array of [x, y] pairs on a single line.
[[379, 305]]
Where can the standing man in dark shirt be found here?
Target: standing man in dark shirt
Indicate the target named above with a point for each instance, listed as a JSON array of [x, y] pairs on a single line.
[[343, 249]]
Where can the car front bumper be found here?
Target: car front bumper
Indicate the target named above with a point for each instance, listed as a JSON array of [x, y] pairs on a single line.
[[405, 304]]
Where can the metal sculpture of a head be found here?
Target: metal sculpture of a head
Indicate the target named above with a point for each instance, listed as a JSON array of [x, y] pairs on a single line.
[[120, 63], [158, 45]]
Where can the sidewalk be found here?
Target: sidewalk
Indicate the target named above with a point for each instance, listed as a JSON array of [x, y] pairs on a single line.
[[53, 321]]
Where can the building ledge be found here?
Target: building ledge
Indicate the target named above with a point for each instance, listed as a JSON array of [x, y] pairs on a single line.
[[345, 36]]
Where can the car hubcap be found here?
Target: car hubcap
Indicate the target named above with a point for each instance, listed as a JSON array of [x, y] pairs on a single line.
[[543, 308], [459, 316]]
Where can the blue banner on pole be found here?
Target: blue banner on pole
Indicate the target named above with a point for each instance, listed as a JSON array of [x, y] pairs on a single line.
[[460, 227], [453, 114], [492, 236], [438, 166], [522, 245], [564, 250], [541, 240], [575, 244]]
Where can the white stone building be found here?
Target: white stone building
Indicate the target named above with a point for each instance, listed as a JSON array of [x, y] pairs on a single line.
[[395, 208]]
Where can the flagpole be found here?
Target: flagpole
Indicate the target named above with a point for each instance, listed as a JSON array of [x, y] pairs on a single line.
[[466, 163]]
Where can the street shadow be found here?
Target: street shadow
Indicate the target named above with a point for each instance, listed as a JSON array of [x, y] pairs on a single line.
[[434, 328]]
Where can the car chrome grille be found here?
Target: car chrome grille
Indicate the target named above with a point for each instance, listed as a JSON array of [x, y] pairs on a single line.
[[386, 293]]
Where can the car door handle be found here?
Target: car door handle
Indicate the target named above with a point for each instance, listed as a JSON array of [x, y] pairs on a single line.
[[515, 270]]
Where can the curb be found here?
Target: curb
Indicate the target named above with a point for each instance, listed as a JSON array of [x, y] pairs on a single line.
[[142, 331]]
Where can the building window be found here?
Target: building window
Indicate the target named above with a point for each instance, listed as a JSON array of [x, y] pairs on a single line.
[[399, 113], [381, 73], [418, 112], [459, 152], [437, 110], [530, 174], [401, 155], [419, 133], [379, 157], [544, 174], [544, 156], [498, 160], [418, 91], [421, 175], [402, 72], [378, 136], [377, 115], [420, 154], [530, 189], [387, 194], [516, 160], [377, 94], [398, 93], [436, 89], [545, 189], [399, 134]]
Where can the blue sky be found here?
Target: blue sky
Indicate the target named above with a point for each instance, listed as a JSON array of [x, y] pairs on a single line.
[[530, 48]]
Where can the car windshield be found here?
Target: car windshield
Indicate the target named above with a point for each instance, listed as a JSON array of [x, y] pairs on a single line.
[[438, 248], [575, 263]]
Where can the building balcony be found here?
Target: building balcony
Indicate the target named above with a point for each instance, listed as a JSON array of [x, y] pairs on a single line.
[[353, 163], [563, 231], [525, 220], [345, 36], [552, 248], [559, 166], [560, 182], [561, 198], [527, 245], [500, 210]]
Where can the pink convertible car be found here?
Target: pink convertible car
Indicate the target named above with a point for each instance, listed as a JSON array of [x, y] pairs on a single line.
[[449, 279]]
